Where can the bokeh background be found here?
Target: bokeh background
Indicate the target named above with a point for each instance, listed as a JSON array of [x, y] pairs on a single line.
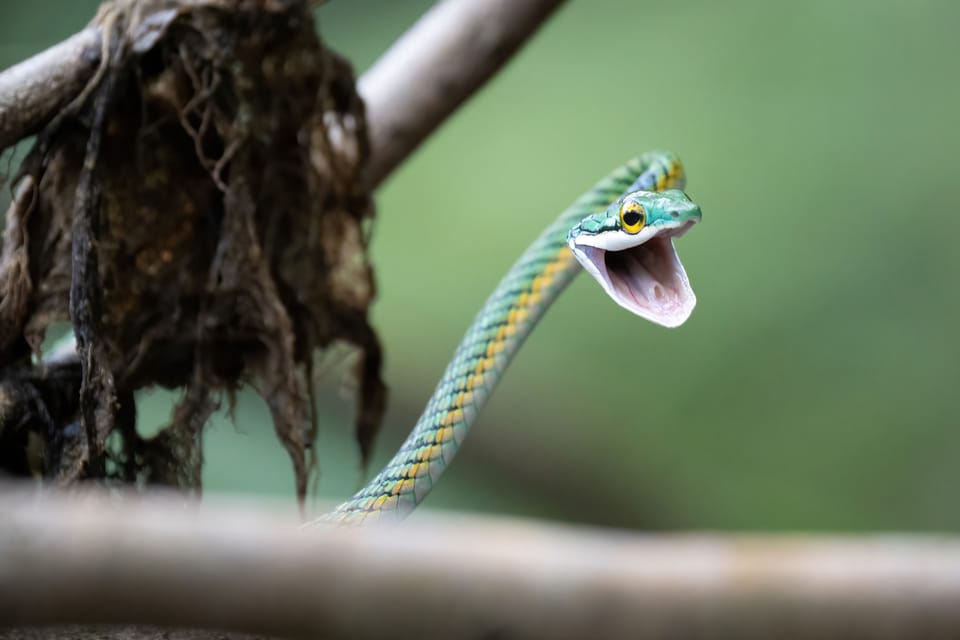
[[815, 386]]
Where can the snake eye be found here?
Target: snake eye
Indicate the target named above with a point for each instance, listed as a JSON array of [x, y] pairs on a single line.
[[632, 217]]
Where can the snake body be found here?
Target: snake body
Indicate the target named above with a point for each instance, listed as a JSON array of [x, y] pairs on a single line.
[[497, 332]]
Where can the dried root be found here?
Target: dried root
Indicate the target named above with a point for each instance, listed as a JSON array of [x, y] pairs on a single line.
[[197, 214]]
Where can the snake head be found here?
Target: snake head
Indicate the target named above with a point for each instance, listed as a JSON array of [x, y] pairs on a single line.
[[628, 249]]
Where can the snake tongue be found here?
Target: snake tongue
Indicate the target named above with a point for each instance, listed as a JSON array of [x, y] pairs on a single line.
[[647, 279]]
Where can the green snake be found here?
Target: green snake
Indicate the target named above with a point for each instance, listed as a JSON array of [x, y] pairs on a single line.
[[621, 232]]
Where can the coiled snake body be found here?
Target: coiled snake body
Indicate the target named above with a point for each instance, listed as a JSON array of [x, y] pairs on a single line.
[[621, 231]]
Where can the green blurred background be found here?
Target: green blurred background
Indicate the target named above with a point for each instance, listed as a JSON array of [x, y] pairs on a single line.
[[814, 386]]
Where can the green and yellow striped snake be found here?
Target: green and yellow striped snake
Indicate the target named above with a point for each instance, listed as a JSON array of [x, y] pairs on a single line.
[[621, 231]]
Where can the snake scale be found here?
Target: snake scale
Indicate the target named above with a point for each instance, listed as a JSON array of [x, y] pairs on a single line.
[[621, 231]]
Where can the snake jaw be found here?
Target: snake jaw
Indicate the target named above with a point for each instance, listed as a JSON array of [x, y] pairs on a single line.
[[647, 279]]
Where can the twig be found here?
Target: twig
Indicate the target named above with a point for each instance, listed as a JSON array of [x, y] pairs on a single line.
[[86, 560], [447, 56]]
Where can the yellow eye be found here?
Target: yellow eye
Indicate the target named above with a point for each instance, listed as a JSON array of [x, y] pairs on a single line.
[[632, 217]]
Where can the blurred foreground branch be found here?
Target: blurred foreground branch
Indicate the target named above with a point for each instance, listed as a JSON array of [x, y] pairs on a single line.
[[422, 79], [87, 560]]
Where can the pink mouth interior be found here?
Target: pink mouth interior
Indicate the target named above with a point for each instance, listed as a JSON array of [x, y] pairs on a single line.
[[648, 279]]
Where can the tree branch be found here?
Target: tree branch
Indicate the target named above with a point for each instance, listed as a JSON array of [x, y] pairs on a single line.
[[439, 63], [84, 559], [34, 90]]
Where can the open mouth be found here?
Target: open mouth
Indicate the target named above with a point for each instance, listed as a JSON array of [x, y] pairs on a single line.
[[647, 279]]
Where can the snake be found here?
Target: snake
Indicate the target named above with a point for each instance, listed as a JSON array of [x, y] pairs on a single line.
[[621, 232]]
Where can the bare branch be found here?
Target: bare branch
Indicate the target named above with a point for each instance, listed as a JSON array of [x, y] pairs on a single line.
[[34, 90], [86, 560], [447, 56], [439, 63]]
